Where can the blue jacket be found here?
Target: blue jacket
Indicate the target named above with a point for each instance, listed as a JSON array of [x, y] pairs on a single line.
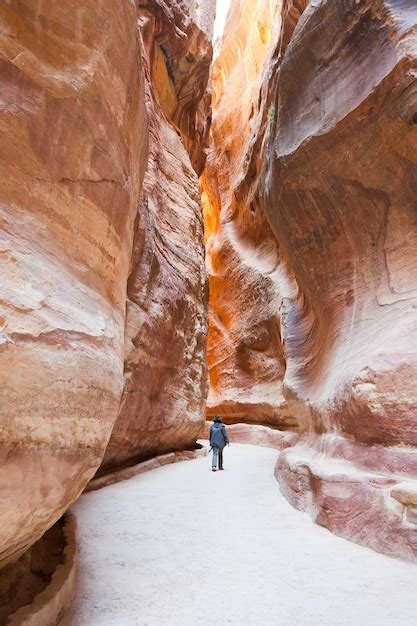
[[218, 435]]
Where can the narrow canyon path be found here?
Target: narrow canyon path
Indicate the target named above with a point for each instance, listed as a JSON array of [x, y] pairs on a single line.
[[184, 546]]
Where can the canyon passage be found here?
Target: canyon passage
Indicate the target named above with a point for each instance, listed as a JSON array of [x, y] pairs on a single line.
[[201, 218]]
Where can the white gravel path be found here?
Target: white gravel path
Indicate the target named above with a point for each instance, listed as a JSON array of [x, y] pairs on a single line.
[[183, 546]]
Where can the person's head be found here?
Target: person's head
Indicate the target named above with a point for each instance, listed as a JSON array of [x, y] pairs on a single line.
[[217, 419]]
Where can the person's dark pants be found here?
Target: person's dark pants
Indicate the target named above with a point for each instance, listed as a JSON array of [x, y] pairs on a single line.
[[217, 458]]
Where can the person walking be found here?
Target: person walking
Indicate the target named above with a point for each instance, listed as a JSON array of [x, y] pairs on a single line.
[[218, 440]]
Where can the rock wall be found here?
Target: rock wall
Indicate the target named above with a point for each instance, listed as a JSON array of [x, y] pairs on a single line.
[[73, 148], [245, 356], [78, 82], [165, 388], [334, 181], [339, 180]]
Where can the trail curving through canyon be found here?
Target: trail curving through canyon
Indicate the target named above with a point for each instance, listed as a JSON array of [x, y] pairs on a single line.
[[182, 546]]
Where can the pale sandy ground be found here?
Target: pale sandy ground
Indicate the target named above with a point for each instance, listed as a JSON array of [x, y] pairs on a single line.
[[184, 546]]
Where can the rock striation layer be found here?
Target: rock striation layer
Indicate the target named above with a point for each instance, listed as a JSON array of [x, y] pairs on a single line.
[[245, 356], [330, 175], [78, 84], [338, 189], [73, 149], [165, 389]]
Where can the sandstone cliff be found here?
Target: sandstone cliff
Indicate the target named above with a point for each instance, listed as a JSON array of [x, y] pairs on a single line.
[[73, 152], [339, 191], [245, 356], [310, 213], [166, 321], [313, 190], [73, 149]]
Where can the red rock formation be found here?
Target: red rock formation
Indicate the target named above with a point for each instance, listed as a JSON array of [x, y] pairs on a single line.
[[332, 173], [73, 150], [166, 325], [245, 358], [339, 180]]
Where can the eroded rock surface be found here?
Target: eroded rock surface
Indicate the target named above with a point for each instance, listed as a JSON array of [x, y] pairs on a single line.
[[245, 356], [166, 321], [333, 177], [73, 149], [339, 193], [78, 83]]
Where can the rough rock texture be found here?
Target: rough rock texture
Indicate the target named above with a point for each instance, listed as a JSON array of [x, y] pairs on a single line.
[[166, 321], [78, 82], [72, 155], [22, 581], [257, 435], [245, 358], [339, 192], [337, 147]]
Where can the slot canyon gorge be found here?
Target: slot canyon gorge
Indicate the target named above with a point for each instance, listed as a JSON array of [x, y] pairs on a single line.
[[189, 232]]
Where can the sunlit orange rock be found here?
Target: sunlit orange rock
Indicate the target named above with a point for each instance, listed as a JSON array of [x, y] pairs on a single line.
[[245, 357], [73, 149], [165, 388]]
